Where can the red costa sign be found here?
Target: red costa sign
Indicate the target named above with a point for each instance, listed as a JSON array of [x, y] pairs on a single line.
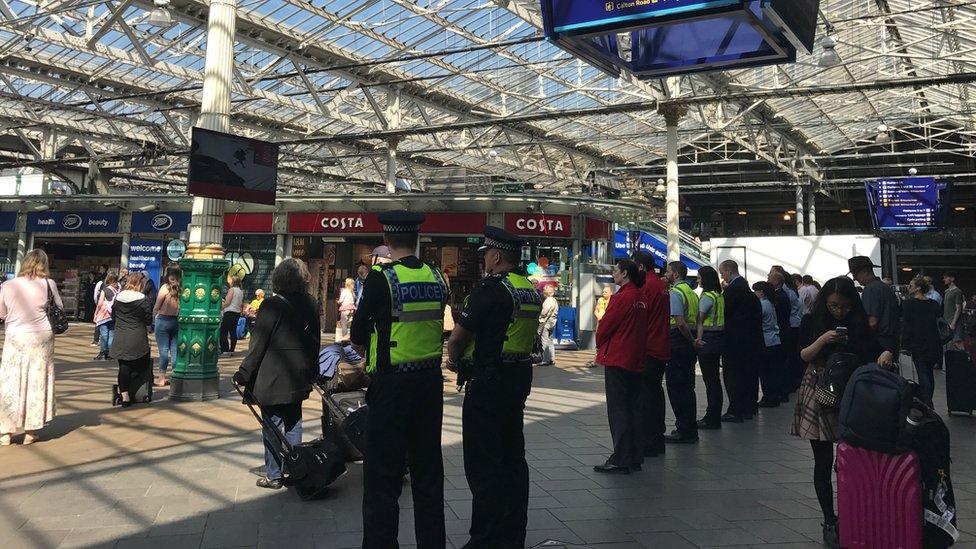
[[368, 223], [596, 229], [539, 225], [249, 223]]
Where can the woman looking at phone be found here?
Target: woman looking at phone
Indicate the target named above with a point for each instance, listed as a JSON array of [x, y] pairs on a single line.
[[836, 324]]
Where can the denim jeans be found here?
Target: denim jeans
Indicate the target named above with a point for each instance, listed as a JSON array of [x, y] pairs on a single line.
[[106, 333], [167, 330], [926, 378], [288, 419], [548, 346]]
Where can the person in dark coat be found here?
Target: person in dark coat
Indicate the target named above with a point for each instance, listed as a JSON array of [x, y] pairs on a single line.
[[132, 314], [282, 360], [744, 342], [920, 334]]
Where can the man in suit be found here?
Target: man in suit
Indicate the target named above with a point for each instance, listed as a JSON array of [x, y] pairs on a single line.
[[744, 340]]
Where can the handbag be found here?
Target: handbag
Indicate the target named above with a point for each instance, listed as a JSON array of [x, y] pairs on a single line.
[[55, 314], [832, 380], [945, 332]]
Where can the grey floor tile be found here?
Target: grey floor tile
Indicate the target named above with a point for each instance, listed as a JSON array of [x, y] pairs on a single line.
[[663, 540]]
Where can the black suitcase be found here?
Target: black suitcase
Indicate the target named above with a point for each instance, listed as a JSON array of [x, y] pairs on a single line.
[[960, 376], [144, 394], [311, 466], [345, 417]]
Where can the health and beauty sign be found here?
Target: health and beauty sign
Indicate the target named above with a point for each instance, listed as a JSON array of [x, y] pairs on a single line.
[[73, 222], [160, 222], [910, 204], [146, 256], [577, 15]]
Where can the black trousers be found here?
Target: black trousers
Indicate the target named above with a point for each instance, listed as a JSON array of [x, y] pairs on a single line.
[[773, 374], [711, 373], [405, 415], [680, 378], [228, 331], [133, 374], [741, 374], [792, 364], [625, 410], [494, 456], [654, 406]]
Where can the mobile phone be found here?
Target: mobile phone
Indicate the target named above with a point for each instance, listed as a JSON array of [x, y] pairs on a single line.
[[842, 330]]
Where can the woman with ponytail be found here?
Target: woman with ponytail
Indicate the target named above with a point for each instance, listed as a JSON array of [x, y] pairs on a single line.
[[167, 312], [621, 339]]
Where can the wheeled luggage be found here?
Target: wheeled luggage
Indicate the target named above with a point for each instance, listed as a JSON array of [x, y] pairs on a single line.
[[345, 417], [143, 394], [241, 327], [879, 499], [960, 376], [311, 466]]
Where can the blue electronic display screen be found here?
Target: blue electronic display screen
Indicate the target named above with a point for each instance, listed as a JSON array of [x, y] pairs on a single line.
[[577, 15], [910, 204]]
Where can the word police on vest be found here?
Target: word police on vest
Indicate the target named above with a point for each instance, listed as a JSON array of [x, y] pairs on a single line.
[[540, 225], [420, 291], [526, 295]]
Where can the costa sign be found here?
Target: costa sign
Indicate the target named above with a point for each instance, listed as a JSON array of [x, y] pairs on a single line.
[[368, 223], [539, 225]]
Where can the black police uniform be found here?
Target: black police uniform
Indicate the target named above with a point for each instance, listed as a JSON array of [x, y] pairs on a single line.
[[405, 416], [492, 416]]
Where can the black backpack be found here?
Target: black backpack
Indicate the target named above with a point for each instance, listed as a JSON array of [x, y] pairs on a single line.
[[874, 410]]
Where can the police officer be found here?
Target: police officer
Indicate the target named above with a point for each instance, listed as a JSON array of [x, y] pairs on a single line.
[[680, 371], [400, 321], [494, 339]]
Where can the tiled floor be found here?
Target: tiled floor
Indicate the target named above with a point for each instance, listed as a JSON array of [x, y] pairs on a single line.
[[177, 475]]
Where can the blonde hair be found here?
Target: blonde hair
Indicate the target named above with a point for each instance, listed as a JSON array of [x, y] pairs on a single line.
[[35, 264], [136, 281], [350, 284]]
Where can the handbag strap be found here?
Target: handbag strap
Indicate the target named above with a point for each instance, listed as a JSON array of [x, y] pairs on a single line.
[[50, 294]]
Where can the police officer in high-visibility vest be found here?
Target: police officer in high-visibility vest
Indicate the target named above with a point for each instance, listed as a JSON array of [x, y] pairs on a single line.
[[400, 321], [492, 345], [710, 344], [680, 371]]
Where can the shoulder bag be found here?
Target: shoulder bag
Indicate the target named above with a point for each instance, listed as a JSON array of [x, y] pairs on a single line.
[[832, 380], [55, 314]]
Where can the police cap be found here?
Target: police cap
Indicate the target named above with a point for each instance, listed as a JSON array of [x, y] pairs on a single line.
[[501, 240], [400, 221]]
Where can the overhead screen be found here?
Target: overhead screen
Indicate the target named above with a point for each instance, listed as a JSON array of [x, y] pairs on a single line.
[[232, 167], [912, 204]]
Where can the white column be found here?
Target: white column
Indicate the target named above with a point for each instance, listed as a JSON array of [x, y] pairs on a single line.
[[280, 250], [391, 166], [800, 205], [207, 225], [21, 250], [812, 204], [672, 116], [124, 259]]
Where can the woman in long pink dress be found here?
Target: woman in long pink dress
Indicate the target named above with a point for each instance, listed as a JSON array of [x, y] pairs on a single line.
[[27, 366]]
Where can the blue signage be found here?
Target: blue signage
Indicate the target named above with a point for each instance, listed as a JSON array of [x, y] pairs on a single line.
[[73, 222], [911, 204], [576, 15], [8, 222], [146, 256], [160, 222], [626, 243]]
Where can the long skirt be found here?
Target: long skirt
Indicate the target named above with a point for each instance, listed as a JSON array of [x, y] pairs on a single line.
[[26, 381]]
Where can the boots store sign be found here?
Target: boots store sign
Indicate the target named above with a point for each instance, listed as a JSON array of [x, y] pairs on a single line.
[[539, 225], [73, 222]]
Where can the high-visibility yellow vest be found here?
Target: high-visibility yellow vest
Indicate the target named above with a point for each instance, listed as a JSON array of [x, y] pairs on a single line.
[[418, 297], [522, 330], [690, 299], [715, 320]]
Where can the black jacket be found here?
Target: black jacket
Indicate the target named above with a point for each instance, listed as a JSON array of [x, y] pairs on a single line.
[[781, 302], [282, 358], [920, 329], [743, 319], [132, 312]]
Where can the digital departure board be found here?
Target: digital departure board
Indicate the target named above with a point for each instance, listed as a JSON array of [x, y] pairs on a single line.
[[910, 204]]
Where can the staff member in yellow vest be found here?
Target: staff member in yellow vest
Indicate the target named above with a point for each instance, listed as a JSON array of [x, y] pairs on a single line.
[[680, 371], [710, 344], [494, 338], [399, 321]]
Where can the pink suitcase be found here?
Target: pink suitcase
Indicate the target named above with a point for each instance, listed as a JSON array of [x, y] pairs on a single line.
[[879, 499]]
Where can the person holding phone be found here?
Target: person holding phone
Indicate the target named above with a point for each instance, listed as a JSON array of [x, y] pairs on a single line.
[[838, 323]]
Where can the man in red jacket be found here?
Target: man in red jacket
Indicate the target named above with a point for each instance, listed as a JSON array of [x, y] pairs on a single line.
[[658, 353], [620, 340]]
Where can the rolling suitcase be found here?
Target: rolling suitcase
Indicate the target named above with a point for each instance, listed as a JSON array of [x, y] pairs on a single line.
[[960, 376], [345, 417], [144, 394], [241, 327], [311, 466], [879, 499]]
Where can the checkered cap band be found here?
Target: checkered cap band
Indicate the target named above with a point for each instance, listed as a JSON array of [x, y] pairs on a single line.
[[401, 228], [507, 246]]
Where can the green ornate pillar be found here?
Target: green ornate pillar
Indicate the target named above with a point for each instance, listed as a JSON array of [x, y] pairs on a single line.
[[195, 376]]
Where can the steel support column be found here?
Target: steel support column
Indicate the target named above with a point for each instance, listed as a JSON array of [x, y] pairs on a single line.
[[812, 215], [672, 115], [391, 165], [800, 205]]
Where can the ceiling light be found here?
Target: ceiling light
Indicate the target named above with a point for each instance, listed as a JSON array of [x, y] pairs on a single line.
[[743, 212], [829, 57], [845, 210], [160, 16], [912, 171], [147, 208], [538, 186], [787, 217], [906, 269], [660, 189], [960, 208], [41, 208], [791, 212]]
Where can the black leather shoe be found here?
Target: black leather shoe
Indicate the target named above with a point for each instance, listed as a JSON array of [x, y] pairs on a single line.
[[709, 425], [831, 537], [612, 469], [732, 418], [769, 403], [654, 450], [681, 439], [636, 467]]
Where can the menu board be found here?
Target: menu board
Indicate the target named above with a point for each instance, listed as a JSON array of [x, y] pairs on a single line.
[[911, 204]]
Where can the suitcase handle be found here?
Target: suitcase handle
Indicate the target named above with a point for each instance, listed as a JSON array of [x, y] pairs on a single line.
[[284, 447]]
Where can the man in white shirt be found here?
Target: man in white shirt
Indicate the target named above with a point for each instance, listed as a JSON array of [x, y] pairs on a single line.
[[808, 294]]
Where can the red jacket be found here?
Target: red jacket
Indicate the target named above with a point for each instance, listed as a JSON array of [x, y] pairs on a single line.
[[658, 317], [622, 333]]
